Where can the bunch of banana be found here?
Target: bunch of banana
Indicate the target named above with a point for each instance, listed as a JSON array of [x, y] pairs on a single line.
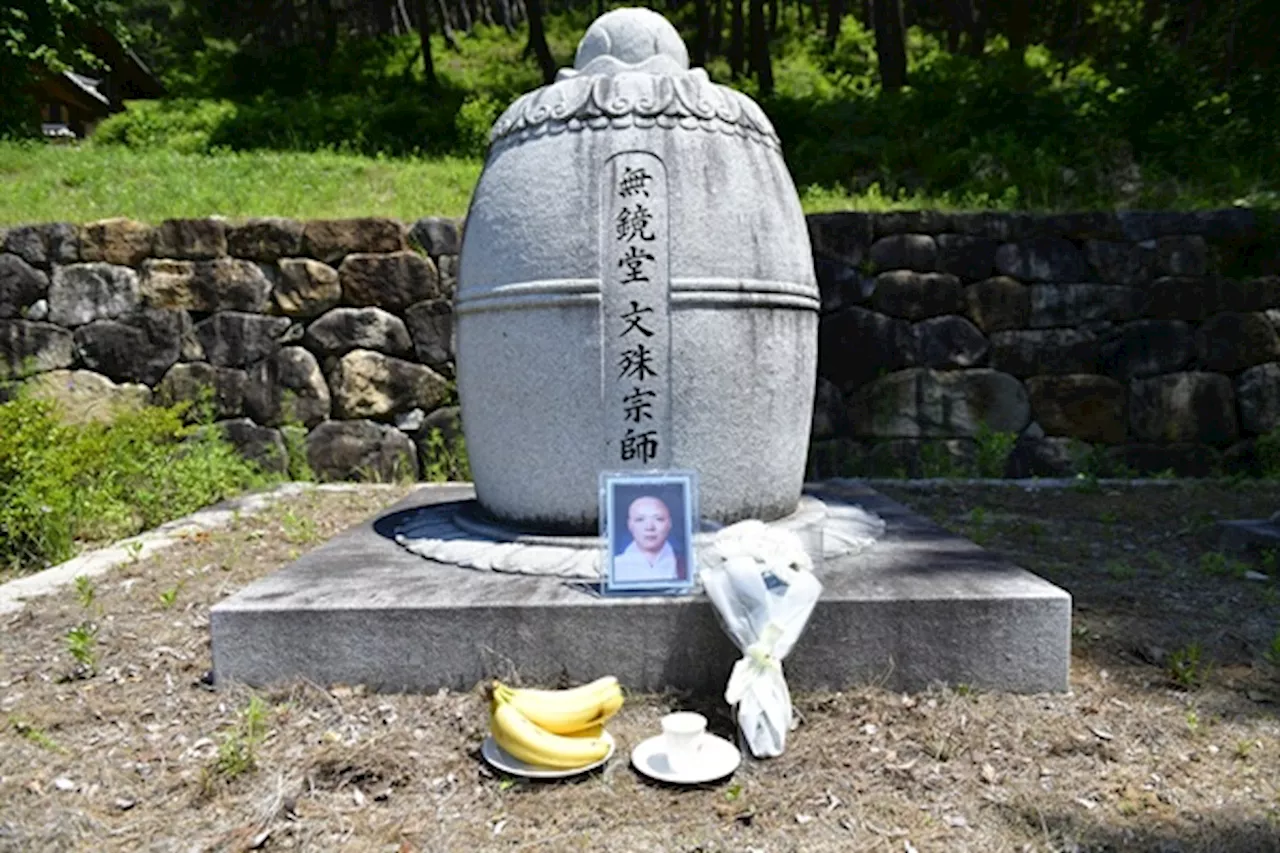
[[560, 729]]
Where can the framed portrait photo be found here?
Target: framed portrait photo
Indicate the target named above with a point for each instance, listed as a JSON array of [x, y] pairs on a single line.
[[647, 522]]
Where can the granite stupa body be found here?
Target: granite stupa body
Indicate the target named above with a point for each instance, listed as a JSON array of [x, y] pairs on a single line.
[[636, 291]]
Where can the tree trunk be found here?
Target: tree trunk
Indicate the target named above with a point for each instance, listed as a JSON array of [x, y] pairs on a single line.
[[800, 14], [328, 32], [717, 29], [760, 61], [1019, 27], [1151, 12], [815, 6], [505, 16], [977, 44], [835, 14], [1231, 40], [735, 38], [891, 46], [773, 18], [1077, 30], [464, 15], [424, 38], [538, 42], [957, 23], [702, 40], [383, 19], [446, 28], [1194, 11]]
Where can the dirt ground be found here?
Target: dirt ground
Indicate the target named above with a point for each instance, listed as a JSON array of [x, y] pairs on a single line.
[[1168, 741]]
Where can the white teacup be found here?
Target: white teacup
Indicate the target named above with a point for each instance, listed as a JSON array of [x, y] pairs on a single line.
[[682, 739]]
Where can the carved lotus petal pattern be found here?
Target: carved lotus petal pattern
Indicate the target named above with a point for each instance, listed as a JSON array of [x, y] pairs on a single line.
[[688, 100]]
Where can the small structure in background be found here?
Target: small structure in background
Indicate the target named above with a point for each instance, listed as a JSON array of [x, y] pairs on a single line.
[[72, 104]]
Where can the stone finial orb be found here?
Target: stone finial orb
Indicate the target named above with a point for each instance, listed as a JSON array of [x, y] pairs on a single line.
[[631, 37]]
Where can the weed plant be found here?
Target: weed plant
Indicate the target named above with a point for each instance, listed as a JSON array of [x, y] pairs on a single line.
[[992, 451], [237, 753], [36, 735], [63, 484], [1272, 653], [445, 460], [1188, 667], [1267, 448], [1217, 564], [82, 641], [85, 591]]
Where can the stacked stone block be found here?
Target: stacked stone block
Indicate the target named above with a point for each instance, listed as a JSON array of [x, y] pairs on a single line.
[[1142, 341], [343, 327], [1136, 342]]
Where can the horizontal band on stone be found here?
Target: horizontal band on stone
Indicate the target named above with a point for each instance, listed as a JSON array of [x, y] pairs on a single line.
[[746, 287], [552, 293], [568, 293], [740, 300]]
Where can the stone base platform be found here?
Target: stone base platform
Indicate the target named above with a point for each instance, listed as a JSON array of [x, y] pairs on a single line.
[[1250, 534], [921, 606]]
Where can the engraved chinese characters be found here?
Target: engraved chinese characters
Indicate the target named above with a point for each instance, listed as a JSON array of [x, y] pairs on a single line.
[[635, 320]]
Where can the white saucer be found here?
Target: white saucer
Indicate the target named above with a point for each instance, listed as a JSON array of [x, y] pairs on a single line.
[[504, 761], [717, 758]]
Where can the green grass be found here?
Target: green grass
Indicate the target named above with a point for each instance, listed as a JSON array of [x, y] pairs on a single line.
[[63, 485], [41, 183]]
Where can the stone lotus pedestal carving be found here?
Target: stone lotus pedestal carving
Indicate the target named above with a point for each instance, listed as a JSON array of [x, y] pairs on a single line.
[[636, 290]]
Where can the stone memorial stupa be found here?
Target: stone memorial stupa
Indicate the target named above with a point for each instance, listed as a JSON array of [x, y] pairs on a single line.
[[636, 292]]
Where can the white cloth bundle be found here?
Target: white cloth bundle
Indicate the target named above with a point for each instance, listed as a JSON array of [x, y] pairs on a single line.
[[762, 584]]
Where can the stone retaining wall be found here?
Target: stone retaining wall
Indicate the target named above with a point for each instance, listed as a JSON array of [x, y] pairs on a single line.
[[344, 327], [1132, 341]]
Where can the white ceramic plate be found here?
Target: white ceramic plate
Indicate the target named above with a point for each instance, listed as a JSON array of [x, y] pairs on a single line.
[[501, 759], [718, 758]]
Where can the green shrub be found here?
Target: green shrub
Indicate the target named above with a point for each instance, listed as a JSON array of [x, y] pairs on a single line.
[[992, 451], [61, 483], [1267, 448], [445, 460], [185, 125], [475, 118]]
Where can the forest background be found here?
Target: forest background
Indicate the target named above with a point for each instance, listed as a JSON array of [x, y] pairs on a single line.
[[880, 103]]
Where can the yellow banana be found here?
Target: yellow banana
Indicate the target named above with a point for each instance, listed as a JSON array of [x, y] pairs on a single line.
[[565, 711], [521, 739], [569, 696]]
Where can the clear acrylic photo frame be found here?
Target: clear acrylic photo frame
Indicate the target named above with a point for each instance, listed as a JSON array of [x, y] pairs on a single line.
[[685, 522]]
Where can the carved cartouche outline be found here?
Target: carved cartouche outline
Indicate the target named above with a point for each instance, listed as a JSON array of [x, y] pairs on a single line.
[[591, 101]]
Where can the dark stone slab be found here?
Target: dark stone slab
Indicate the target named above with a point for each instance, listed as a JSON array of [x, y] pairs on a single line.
[[1252, 534]]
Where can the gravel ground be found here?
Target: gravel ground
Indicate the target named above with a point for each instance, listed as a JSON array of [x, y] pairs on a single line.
[[1157, 747]]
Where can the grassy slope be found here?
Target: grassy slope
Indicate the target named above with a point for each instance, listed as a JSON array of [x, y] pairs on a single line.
[[39, 183]]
